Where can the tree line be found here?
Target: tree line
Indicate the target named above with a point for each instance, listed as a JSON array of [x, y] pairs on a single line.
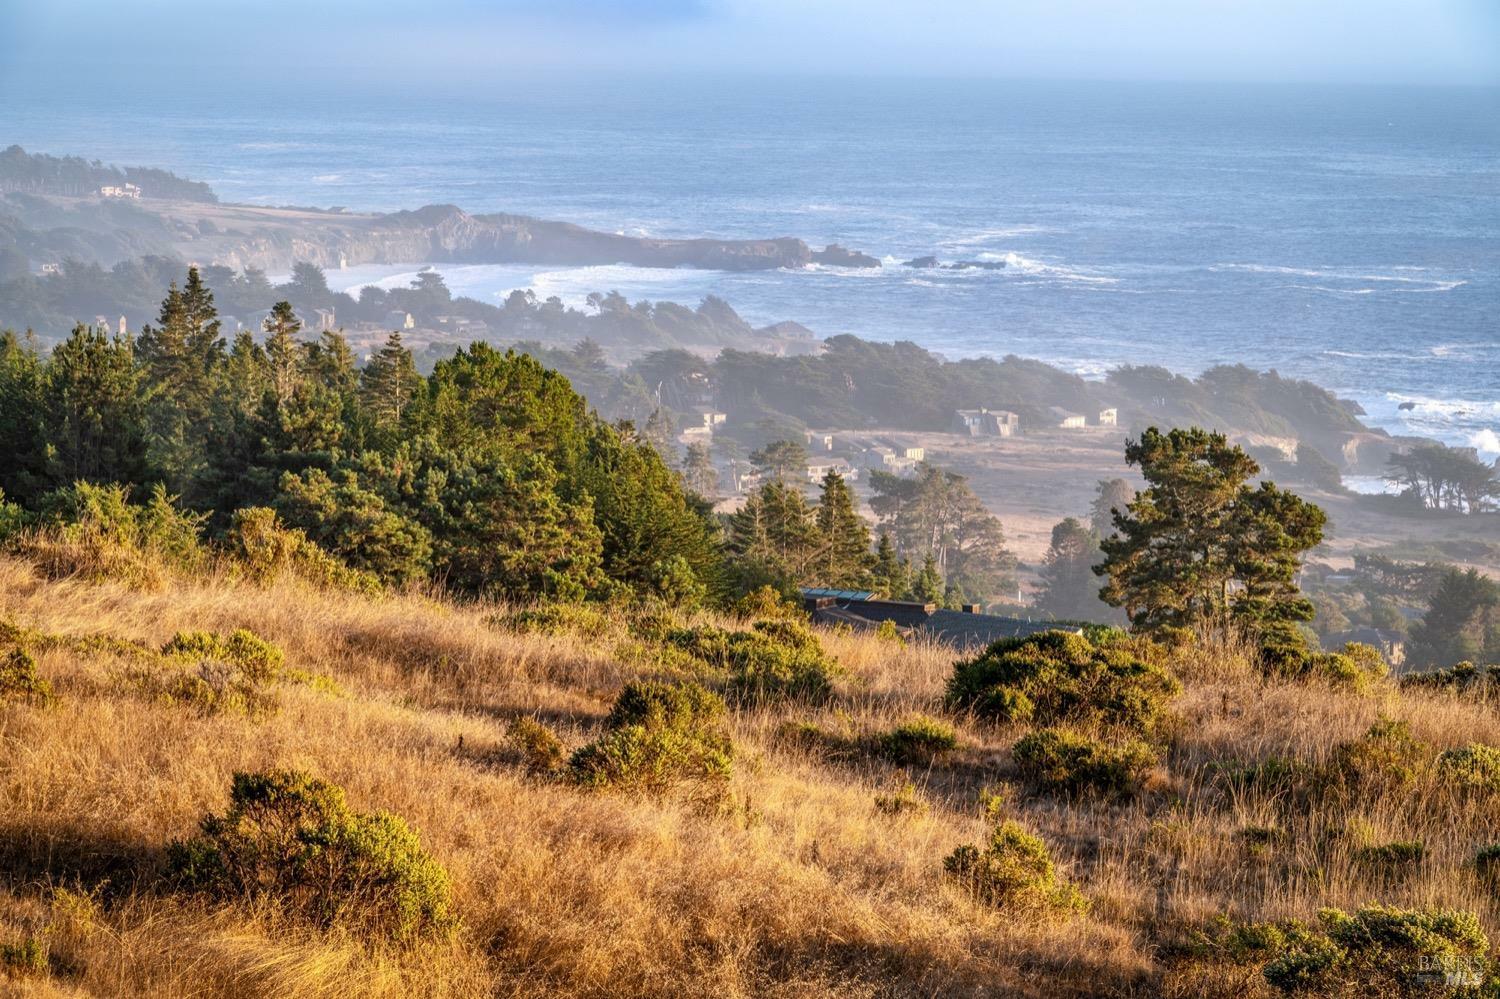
[[490, 476]]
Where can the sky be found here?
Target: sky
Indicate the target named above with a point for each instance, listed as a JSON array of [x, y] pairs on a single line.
[[449, 42]]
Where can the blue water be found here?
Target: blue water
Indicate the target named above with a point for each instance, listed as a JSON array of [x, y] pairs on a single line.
[[1346, 235]]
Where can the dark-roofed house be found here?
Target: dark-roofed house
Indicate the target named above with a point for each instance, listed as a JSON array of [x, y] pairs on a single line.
[[962, 629]]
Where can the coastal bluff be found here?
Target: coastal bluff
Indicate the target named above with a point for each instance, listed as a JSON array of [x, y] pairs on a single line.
[[273, 239]]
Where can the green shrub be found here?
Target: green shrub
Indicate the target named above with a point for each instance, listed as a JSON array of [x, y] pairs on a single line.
[[1392, 858], [1057, 677], [1475, 767], [1014, 871], [1062, 761], [777, 659], [213, 688], [1355, 667], [95, 532], [26, 957], [1272, 775], [1260, 840], [20, 681], [292, 839], [1385, 758], [1464, 678], [658, 734], [1380, 951], [902, 800], [918, 740], [267, 550], [257, 658], [540, 749], [888, 632], [1487, 864], [768, 602], [559, 619]]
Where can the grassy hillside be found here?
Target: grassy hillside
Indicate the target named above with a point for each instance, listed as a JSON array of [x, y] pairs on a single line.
[[813, 871]]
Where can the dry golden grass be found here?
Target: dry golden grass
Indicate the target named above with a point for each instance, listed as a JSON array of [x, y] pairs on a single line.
[[800, 886]]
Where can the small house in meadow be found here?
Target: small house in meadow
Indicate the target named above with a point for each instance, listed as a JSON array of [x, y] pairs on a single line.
[[1065, 419]]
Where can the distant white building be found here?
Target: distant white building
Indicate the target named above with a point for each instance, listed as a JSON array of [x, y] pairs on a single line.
[[983, 422], [125, 191], [1064, 419], [706, 418], [398, 320], [52, 268], [1109, 417], [817, 469]]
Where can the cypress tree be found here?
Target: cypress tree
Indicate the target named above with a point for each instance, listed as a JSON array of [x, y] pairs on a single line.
[[844, 559], [284, 351]]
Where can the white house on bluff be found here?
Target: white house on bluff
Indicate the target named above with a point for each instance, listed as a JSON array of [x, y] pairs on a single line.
[[984, 422]]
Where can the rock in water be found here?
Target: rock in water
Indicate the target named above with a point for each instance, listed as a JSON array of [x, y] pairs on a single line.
[[834, 255]]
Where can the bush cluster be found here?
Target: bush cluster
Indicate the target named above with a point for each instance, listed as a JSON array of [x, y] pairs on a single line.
[[292, 839], [1014, 871], [20, 681], [257, 658], [657, 735], [1058, 677], [540, 748], [1464, 678], [95, 532], [918, 740], [584, 620], [26, 957], [1387, 757], [1376, 951], [1063, 761], [268, 550], [778, 658], [1475, 767], [1355, 667]]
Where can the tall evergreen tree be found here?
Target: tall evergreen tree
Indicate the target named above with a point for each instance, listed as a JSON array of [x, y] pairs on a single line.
[[843, 560], [1462, 622], [892, 573], [1070, 588], [181, 362], [284, 352], [1200, 548], [388, 383], [928, 586], [782, 461], [1110, 495], [699, 473], [91, 411], [21, 435]]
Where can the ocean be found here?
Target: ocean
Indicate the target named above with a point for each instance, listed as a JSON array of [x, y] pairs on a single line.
[[1348, 235]]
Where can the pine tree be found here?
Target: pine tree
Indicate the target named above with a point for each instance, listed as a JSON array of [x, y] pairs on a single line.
[[661, 433], [1199, 548], [699, 472], [330, 364], [387, 384], [1110, 495], [91, 411], [1070, 589], [928, 586], [1462, 622], [892, 573], [284, 351], [781, 461], [181, 362], [844, 560]]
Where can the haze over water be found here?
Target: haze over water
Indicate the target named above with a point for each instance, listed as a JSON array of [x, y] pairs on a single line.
[[1349, 235]]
